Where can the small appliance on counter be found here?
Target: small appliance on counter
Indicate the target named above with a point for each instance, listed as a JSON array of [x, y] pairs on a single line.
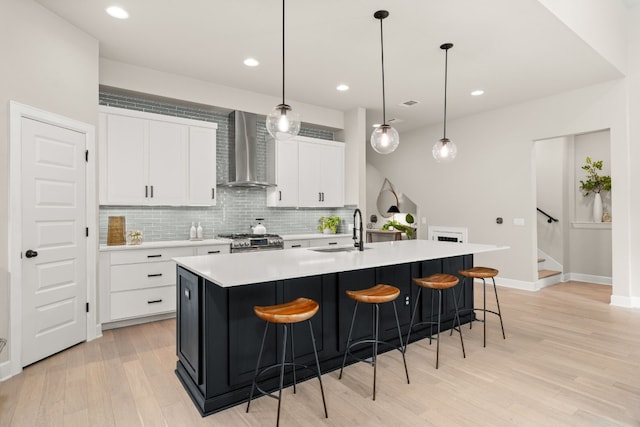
[[259, 228]]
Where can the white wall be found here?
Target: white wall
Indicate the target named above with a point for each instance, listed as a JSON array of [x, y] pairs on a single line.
[[354, 135], [493, 175], [48, 64]]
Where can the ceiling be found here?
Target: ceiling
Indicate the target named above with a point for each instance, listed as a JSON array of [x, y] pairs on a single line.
[[514, 50]]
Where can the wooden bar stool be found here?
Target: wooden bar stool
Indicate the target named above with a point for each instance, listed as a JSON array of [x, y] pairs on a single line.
[[286, 314], [378, 294], [437, 282], [485, 273]]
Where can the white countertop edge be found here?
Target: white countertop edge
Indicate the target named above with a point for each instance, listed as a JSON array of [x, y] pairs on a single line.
[[166, 244], [312, 236], [229, 270]]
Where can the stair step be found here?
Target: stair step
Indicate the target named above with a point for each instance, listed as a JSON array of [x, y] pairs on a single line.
[[547, 273], [541, 260]]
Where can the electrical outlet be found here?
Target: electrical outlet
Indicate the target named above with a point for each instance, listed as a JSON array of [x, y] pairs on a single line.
[[518, 221]]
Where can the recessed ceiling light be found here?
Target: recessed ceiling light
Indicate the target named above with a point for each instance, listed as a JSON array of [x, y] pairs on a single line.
[[342, 87], [477, 92], [117, 12], [251, 62]]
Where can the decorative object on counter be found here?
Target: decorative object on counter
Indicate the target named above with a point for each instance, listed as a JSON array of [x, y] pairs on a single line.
[[329, 224], [395, 225], [116, 231], [606, 217], [283, 122], [134, 237], [595, 183], [384, 139], [445, 150], [193, 233], [199, 232], [259, 228]]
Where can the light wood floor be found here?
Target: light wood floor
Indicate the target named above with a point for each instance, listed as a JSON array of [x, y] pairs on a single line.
[[570, 359]]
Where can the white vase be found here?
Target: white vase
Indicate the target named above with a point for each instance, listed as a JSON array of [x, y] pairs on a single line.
[[327, 231], [597, 208]]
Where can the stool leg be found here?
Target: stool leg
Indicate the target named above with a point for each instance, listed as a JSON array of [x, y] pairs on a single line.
[[293, 360], [284, 354], [455, 304], [375, 348], [315, 352], [431, 318], [495, 291], [255, 376], [413, 316], [402, 347], [346, 350], [438, 339], [484, 309]]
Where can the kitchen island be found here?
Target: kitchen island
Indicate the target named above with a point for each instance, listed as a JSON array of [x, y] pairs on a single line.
[[218, 335]]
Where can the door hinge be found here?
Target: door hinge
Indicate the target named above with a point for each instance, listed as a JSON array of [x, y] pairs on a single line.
[[86, 156], [86, 231], [87, 307]]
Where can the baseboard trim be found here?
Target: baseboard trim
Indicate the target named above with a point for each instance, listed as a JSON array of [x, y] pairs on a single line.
[[137, 321], [627, 302], [579, 277]]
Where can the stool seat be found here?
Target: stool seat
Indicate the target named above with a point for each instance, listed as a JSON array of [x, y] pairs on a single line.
[[437, 281], [479, 272], [377, 294], [295, 311]]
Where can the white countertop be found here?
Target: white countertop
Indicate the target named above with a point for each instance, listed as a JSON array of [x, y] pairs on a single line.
[[227, 270], [166, 244], [312, 236]]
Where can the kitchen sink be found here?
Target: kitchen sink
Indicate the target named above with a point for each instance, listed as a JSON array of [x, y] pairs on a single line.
[[341, 249]]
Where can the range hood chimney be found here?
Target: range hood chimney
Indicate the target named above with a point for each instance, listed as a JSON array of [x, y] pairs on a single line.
[[243, 130]]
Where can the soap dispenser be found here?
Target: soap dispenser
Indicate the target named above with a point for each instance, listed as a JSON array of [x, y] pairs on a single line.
[[199, 232], [192, 232]]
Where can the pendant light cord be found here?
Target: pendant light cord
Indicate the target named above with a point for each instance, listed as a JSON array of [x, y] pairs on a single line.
[[384, 103], [446, 61], [283, 52]]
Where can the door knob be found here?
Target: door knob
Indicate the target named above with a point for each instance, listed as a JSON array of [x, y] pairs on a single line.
[[31, 254]]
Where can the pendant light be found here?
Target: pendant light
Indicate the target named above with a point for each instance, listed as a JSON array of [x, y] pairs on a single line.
[[283, 122], [445, 150], [384, 138]]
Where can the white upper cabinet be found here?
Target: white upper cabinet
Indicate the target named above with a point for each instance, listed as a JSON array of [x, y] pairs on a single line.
[[202, 166], [321, 166], [308, 172], [282, 169], [150, 159]]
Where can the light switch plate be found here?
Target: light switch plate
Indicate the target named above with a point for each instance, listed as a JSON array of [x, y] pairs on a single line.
[[518, 221]]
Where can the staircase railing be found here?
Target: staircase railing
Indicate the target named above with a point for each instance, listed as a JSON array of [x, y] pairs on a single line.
[[550, 219]]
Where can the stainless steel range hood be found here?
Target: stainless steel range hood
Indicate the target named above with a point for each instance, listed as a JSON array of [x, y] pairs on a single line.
[[243, 142]]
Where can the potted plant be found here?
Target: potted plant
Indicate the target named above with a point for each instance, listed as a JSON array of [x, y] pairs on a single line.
[[595, 183], [395, 225], [329, 224]]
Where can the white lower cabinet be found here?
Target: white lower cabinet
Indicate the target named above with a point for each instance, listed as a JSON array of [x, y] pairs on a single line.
[[296, 244], [135, 283], [331, 241]]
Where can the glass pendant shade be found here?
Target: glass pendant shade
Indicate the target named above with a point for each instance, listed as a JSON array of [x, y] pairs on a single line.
[[444, 150], [385, 139], [283, 123]]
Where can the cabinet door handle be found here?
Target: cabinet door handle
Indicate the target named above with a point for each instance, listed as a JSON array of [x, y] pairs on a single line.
[[146, 191], [154, 275], [280, 195], [323, 196], [319, 197], [154, 301], [296, 246], [154, 256], [187, 293], [213, 252], [333, 243], [213, 193], [152, 191]]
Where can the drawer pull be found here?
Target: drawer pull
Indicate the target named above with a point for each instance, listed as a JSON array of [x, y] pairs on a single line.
[[154, 256], [296, 246], [187, 293], [213, 252], [333, 243], [154, 275], [154, 301]]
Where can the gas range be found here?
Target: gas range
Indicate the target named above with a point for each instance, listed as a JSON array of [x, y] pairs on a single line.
[[253, 242]]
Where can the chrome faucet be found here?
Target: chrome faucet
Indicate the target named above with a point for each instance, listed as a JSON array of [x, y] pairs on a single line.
[[360, 244]]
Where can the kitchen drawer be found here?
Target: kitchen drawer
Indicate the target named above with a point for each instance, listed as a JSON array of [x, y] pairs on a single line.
[[126, 277], [133, 256], [294, 244], [332, 241], [213, 249], [143, 302]]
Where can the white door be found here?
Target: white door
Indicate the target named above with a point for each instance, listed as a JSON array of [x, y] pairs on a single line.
[[168, 153], [310, 170], [332, 175], [202, 166], [54, 288]]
